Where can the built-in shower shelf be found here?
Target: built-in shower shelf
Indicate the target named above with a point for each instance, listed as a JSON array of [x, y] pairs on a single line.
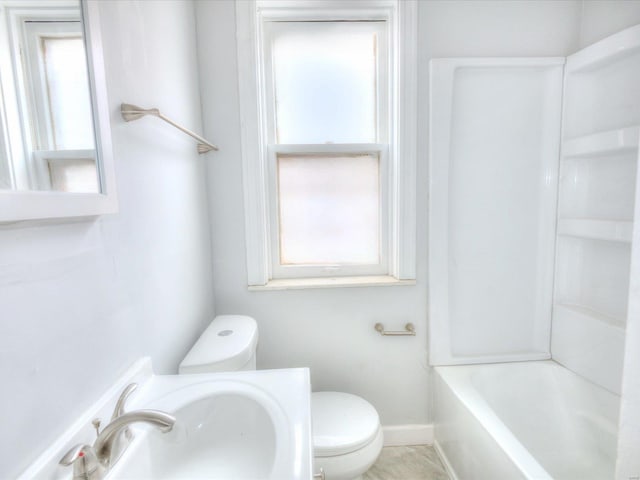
[[588, 314], [605, 52], [610, 142], [611, 230]]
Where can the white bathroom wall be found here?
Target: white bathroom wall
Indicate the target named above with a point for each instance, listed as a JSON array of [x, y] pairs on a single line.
[[80, 302], [331, 330], [601, 18], [485, 28]]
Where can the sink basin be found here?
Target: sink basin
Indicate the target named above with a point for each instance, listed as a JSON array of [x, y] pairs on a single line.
[[240, 425]]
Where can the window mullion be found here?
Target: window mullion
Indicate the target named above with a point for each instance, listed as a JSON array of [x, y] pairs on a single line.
[[327, 148]]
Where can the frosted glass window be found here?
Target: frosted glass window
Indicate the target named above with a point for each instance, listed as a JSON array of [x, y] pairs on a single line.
[[68, 92], [77, 175], [329, 209], [325, 81]]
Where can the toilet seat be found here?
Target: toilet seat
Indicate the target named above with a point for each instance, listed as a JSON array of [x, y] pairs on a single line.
[[342, 423]]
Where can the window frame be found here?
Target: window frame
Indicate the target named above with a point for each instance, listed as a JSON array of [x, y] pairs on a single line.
[[38, 121], [274, 148], [23, 88], [396, 154]]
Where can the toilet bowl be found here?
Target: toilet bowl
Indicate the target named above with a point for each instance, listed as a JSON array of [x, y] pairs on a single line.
[[347, 436]]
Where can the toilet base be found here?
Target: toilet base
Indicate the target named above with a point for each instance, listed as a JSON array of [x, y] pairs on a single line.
[[351, 466]]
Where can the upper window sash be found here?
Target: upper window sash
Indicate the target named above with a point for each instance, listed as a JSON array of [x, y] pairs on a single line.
[[371, 105]]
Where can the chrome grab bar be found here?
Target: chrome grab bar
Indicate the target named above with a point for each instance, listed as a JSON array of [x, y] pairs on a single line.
[[409, 329]]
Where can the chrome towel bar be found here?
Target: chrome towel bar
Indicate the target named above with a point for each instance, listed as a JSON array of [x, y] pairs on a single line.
[[133, 112], [409, 329]]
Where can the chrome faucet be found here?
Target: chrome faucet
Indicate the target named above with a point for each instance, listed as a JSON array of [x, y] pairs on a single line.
[[92, 462], [103, 446]]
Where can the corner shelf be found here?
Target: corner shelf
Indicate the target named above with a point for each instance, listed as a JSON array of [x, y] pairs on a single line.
[[623, 140], [610, 230], [605, 52]]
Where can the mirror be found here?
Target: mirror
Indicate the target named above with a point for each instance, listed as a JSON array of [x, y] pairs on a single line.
[[54, 123]]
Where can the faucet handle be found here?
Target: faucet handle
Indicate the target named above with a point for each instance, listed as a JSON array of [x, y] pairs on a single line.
[[119, 409], [84, 460], [96, 425]]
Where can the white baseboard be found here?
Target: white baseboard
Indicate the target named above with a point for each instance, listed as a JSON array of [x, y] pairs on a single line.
[[445, 461], [413, 434]]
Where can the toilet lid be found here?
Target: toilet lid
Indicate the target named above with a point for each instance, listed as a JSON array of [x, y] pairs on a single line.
[[342, 423]]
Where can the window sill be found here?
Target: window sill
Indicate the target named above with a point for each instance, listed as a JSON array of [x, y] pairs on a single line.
[[331, 282]]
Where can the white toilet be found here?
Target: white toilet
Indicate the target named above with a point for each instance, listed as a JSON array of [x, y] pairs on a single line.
[[347, 437]]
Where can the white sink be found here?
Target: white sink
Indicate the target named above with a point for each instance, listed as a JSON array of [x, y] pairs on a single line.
[[242, 425]]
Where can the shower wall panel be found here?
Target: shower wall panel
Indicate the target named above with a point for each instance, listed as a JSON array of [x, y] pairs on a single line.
[[495, 129]]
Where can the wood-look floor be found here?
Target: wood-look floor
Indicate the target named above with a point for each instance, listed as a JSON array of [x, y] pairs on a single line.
[[407, 463]]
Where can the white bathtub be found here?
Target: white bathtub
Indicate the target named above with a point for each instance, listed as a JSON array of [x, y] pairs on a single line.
[[533, 420]]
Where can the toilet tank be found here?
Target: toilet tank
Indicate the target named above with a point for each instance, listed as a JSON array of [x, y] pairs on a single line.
[[228, 344]]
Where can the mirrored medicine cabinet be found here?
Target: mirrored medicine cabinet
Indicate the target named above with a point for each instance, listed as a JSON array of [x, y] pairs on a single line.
[[55, 141]]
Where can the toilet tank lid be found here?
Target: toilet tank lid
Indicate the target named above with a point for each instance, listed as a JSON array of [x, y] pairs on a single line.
[[227, 337]]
